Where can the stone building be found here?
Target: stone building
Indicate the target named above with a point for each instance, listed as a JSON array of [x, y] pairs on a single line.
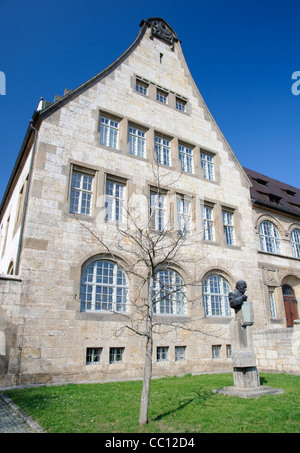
[[136, 141]]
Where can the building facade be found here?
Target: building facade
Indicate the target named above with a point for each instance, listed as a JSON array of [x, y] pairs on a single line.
[[135, 150]]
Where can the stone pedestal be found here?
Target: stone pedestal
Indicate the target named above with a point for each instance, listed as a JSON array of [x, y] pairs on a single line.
[[245, 374]]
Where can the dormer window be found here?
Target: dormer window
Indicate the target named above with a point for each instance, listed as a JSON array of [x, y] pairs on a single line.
[[274, 198]]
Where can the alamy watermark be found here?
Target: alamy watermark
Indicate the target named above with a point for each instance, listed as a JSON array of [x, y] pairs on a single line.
[[296, 85], [2, 84]]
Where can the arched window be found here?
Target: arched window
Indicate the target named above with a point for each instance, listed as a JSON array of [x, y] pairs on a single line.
[[104, 287], [295, 240], [269, 237], [169, 293], [215, 296]]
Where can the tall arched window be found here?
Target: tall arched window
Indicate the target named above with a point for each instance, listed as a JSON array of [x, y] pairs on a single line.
[[169, 293], [215, 296], [269, 237], [295, 241], [104, 287]]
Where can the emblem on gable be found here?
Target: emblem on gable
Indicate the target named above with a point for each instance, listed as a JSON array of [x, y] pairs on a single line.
[[162, 30]]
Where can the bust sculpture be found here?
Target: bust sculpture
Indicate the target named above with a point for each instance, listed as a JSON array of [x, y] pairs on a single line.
[[238, 296]]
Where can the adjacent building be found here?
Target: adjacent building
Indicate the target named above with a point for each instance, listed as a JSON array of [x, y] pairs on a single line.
[[135, 150]]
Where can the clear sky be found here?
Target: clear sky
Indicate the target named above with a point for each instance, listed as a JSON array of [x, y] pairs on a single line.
[[241, 54]]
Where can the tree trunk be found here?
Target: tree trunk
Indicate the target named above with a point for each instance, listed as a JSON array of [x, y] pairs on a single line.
[[148, 361]]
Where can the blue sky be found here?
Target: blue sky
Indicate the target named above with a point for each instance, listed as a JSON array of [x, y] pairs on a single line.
[[241, 54]]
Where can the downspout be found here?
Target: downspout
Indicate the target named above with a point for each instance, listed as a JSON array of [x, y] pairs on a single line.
[[20, 243]]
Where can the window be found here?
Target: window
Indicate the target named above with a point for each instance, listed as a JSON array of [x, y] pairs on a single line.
[[228, 351], [81, 193], [5, 236], [216, 351], [114, 201], [21, 202], [141, 87], [162, 96], [137, 141], [186, 159], [116, 355], [93, 355], [272, 303], [207, 164], [269, 237], [208, 223], [104, 287], [180, 104], [183, 215], [295, 240], [162, 353], [158, 211], [163, 150], [109, 132], [169, 293], [228, 227], [179, 353], [215, 296]]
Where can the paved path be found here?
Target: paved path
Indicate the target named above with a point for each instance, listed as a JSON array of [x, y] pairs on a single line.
[[13, 420]]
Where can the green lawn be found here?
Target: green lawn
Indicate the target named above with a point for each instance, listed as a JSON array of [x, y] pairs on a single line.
[[177, 405]]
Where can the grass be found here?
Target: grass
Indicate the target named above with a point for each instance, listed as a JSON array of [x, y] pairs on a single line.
[[177, 405]]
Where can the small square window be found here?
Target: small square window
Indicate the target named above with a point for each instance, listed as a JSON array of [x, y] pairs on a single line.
[[162, 353], [162, 96], [216, 351], [93, 355], [116, 355], [180, 105], [179, 353], [141, 87]]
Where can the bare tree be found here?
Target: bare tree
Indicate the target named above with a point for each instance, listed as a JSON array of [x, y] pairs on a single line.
[[153, 241]]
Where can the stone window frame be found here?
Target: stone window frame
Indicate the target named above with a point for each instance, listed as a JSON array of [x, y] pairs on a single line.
[[113, 287], [86, 170]]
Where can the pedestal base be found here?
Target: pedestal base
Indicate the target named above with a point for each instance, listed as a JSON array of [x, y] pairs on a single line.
[[254, 392]]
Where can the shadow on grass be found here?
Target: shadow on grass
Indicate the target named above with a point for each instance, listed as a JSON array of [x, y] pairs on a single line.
[[262, 380], [201, 398]]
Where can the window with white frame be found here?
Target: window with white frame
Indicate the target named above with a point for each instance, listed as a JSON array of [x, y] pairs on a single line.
[[208, 223], [93, 356], [163, 150], [180, 104], [216, 351], [81, 192], [228, 351], [162, 96], [215, 296], [116, 355], [183, 214], [228, 223], [104, 287], [186, 158], [137, 141], [272, 303], [269, 237], [158, 210], [114, 201], [169, 293], [162, 353], [180, 353], [295, 241], [207, 164], [109, 132], [141, 87]]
